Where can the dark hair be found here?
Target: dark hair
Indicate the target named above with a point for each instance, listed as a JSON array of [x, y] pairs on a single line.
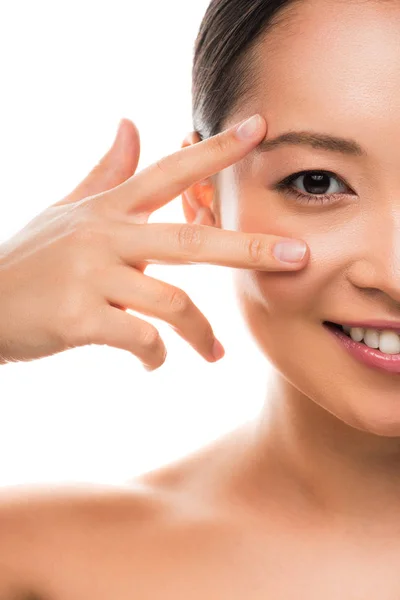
[[224, 64]]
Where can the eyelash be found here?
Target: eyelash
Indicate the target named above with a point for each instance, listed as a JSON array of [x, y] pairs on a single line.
[[303, 198]]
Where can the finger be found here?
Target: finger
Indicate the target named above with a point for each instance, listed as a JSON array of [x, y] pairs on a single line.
[[115, 167], [127, 287], [170, 176], [119, 329], [174, 243]]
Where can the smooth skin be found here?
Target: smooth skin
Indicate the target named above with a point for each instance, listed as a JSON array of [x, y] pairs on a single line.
[[96, 247], [302, 502], [95, 244]]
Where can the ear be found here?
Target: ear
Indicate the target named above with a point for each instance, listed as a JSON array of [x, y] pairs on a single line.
[[197, 200]]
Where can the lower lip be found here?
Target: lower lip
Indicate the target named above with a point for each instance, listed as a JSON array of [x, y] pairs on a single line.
[[369, 356]]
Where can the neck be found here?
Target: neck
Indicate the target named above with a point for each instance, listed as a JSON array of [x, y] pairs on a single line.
[[313, 457]]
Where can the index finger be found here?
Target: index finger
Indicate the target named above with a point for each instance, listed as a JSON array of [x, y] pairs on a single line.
[[178, 243], [170, 176]]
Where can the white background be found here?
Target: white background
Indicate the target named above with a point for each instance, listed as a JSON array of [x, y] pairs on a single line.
[[69, 71]]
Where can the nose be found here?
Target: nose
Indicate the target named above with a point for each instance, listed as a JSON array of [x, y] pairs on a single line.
[[377, 268]]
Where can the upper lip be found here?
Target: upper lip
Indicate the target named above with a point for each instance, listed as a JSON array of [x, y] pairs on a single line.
[[372, 324]]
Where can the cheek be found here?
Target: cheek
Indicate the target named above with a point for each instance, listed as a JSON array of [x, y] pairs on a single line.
[[280, 306], [283, 313], [277, 298], [334, 238], [287, 294], [332, 242]]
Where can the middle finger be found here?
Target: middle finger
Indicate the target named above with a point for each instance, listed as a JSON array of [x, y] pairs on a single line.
[[125, 286]]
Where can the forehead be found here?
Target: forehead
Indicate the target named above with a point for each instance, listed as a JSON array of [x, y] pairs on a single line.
[[332, 65]]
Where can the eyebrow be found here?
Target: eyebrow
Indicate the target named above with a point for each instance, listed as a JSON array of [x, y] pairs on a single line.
[[321, 141]]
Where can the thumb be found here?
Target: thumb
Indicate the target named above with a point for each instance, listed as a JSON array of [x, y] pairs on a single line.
[[116, 166]]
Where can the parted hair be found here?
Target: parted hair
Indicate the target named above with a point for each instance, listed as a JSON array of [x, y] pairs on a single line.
[[224, 64]]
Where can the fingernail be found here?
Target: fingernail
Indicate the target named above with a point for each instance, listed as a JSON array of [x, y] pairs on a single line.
[[218, 350], [249, 128], [290, 251]]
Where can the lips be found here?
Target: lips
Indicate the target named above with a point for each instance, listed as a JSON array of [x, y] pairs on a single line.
[[371, 357]]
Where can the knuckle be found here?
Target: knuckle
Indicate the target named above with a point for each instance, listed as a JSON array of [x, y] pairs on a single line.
[[87, 224], [178, 301], [82, 236], [255, 250], [189, 237], [88, 247], [81, 231], [160, 164], [221, 143], [164, 164], [98, 207], [150, 339], [170, 166]]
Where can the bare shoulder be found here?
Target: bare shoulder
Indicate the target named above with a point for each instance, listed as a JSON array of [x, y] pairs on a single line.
[[116, 541], [49, 536]]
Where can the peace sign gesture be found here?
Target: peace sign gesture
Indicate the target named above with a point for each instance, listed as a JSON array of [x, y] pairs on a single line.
[[68, 277]]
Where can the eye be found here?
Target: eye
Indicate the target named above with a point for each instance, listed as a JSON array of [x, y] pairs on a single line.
[[313, 182]]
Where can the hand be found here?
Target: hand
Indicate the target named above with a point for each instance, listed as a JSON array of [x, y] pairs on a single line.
[[68, 277]]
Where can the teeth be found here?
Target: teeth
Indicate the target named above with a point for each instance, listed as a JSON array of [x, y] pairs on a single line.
[[357, 334], [387, 341], [372, 338]]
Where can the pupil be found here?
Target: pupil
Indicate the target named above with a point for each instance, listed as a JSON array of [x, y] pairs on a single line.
[[316, 183]]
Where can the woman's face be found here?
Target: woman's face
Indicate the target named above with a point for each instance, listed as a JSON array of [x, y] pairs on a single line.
[[332, 68]]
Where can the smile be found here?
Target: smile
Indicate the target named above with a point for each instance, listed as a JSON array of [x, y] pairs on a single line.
[[378, 349]]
